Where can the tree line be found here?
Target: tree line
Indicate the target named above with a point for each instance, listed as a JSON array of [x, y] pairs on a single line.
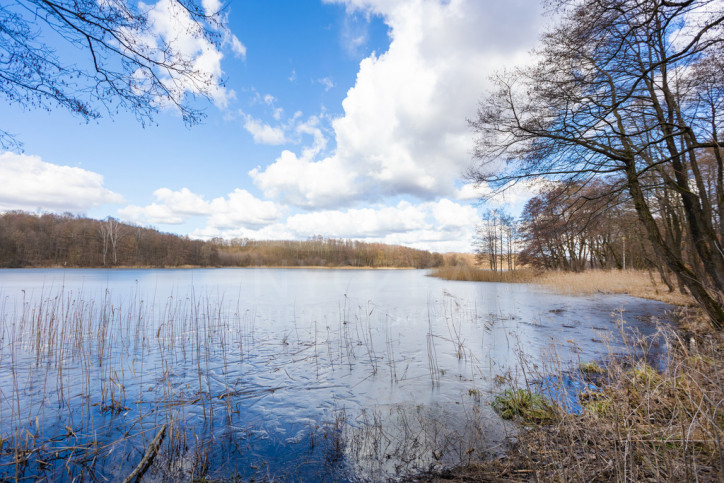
[[29, 240]]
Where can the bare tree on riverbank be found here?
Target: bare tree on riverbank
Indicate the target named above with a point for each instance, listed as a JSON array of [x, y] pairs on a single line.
[[628, 91]]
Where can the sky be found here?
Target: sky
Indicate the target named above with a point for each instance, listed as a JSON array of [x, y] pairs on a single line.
[[340, 118]]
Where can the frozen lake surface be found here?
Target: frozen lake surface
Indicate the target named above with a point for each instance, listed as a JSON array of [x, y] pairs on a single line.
[[276, 373]]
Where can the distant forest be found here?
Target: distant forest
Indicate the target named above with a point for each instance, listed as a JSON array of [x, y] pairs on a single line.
[[50, 240]]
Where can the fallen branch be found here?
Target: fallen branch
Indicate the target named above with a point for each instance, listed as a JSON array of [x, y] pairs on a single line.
[[147, 459]]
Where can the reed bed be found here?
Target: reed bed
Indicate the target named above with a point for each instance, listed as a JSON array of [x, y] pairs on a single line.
[[637, 283], [468, 273], [100, 388], [92, 387], [106, 389], [642, 420]]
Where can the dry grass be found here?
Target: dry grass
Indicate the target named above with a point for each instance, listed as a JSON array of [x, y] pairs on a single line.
[[471, 274], [638, 283], [641, 425]]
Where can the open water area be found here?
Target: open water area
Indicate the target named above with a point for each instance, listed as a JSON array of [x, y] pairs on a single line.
[[277, 374]]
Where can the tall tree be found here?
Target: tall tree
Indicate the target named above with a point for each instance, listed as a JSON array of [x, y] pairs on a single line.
[[626, 89]]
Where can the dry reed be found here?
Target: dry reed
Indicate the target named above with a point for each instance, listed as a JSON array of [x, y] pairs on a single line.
[[471, 274], [637, 283], [641, 424]]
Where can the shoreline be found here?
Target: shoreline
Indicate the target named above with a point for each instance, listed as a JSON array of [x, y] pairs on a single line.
[[633, 406], [632, 282], [200, 267]]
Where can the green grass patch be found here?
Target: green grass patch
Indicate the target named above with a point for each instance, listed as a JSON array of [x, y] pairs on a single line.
[[590, 368], [523, 404]]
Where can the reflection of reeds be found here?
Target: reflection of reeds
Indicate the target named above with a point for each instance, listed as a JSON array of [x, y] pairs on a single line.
[[432, 353]]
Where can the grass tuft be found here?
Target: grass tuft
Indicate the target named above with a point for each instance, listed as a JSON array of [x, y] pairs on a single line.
[[590, 368], [525, 405]]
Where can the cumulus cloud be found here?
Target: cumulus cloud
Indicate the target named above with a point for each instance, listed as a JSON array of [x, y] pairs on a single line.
[[29, 183], [264, 133], [237, 209], [301, 181], [443, 225], [360, 223], [404, 129], [172, 24], [242, 208]]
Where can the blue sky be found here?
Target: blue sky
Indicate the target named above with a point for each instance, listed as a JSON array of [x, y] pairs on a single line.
[[343, 118]]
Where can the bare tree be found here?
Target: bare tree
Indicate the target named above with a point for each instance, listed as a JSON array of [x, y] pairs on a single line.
[[89, 56], [622, 89], [494, 240]]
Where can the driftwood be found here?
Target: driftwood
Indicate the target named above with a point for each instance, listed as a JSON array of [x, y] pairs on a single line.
[[147, 459]]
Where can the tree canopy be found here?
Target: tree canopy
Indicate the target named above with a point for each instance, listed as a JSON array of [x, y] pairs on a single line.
[[629, 92], [92, 57]]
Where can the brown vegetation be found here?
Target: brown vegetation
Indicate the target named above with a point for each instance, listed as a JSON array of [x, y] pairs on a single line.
[[641, 424], [637, 283], [472, 274], [50, 240]]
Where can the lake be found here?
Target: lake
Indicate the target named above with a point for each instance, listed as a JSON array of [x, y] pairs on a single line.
[[281, 374]]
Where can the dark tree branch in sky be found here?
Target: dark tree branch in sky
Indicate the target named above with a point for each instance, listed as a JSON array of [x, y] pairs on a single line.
[[98, 57]]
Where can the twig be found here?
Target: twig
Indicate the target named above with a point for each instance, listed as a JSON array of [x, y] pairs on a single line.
[[147, 459]]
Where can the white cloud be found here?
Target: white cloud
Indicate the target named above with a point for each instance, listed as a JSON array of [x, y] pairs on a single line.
[[471, 192], [151, 214], [241, 208], [171, 23], [359, 223], [300, 181], [237, 47], [512, 198], [237, 209], [326, 82], [264, 133], [441, 226], [184, 202], [404, 128], [292, 130], [450, 215], [29, 183], [211, 7]]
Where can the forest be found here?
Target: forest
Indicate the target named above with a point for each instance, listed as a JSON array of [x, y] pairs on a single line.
[[52, 240]]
